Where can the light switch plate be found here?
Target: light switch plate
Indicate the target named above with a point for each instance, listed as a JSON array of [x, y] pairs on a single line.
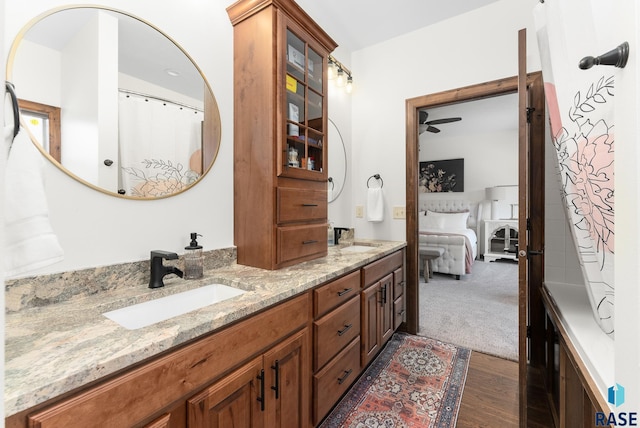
[[359, 211], [399, 213]]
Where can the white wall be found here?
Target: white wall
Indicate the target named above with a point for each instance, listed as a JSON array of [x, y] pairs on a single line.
[[426, 61]]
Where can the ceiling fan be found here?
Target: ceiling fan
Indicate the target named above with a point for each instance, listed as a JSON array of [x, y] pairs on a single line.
[[425, 125]]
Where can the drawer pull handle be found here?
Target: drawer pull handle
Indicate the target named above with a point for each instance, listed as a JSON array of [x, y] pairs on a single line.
[[310, 241], [345, 329], [344, 377], [401, 313], [343, 292], [309, 205], [261, 397]]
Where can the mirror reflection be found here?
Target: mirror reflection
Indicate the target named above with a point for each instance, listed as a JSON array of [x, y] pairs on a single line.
[[114, 102], [337, 168]]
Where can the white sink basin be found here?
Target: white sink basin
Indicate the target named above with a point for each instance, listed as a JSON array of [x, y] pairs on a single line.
[[147, 313], [358, 248]]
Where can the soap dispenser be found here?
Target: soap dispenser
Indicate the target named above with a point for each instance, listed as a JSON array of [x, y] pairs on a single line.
[[330, 235], [193, 259]]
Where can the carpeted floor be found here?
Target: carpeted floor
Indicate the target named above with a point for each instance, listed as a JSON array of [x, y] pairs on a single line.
[[479, 312], [413, 382]]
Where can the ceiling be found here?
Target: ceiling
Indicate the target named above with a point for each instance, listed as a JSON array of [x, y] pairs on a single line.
[[356, 24]]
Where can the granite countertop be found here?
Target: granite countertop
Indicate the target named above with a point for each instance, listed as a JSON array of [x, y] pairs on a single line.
[[56, 348]]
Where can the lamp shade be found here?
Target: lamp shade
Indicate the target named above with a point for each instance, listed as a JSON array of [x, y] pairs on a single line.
[[497, 193], [502, 193]]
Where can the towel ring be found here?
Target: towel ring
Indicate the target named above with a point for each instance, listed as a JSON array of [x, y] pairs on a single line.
[[16, 109], [377, 177], [333, 185]]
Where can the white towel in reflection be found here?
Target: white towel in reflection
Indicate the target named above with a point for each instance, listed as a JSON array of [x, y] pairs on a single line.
[[375, 204], [30, 242]]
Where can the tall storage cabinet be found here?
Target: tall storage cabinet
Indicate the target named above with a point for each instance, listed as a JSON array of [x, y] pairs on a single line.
[[280, 130]]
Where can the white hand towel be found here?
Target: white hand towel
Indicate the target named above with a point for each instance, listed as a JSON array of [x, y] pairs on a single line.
[[30, 242], [375, 204]]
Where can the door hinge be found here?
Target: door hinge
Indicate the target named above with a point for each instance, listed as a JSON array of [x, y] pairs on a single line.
[[528, 332], [528, 224], [530, 111]]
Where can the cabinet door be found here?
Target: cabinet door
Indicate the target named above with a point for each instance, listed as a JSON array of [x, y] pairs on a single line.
[[386, 309], [370, 323], [233, 401], [287, 382], [305, 108]]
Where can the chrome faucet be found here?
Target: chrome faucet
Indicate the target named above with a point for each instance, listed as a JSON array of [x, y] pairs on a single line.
[[158, 270]]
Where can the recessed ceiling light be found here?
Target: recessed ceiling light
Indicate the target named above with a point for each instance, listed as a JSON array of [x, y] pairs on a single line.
[[171, 72]]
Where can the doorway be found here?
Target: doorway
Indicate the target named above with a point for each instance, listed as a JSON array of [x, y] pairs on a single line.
[[531, 172], [477, 310]]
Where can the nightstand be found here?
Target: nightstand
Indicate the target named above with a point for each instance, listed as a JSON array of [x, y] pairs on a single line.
[[500, 239]]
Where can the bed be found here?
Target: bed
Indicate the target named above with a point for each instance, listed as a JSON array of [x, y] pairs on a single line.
[[452, 225]]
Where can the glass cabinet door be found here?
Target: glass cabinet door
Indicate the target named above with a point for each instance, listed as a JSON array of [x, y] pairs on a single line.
[[304, 110]]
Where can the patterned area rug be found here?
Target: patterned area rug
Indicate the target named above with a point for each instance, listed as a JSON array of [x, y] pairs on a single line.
[[414, 382]]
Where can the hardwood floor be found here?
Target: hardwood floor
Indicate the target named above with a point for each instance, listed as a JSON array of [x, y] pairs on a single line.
[[490, 396]]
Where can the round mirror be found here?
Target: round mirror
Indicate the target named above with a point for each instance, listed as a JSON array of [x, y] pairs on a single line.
[[114, 102], [337, 168]]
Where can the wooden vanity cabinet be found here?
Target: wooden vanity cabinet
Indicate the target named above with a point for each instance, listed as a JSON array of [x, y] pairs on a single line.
[[157, 392], [269, 391], [280, 133], [379, 307]]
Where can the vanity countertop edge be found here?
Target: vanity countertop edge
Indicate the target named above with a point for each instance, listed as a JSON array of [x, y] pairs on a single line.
[[57, 348]]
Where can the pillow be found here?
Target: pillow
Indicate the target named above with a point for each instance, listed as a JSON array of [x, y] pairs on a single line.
[[431, 222], [453, 221]]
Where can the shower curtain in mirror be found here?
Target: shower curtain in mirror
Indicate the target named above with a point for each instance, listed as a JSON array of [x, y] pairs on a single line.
[[160, 146], [580, 104]]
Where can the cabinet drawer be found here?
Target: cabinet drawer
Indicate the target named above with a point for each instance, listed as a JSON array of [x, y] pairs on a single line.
[[398, 312], [301, 205], [335, 293], [334, 380], [398, 283], [376, 270], [295, 242], [335, 330]]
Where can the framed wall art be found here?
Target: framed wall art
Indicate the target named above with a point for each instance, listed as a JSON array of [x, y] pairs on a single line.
[[442, 176]]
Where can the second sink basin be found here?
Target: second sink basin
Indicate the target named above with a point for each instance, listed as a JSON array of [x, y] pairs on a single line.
[[147, 313], [358, 248]]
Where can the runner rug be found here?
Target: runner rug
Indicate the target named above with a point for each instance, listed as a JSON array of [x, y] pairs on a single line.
[[414, 382]]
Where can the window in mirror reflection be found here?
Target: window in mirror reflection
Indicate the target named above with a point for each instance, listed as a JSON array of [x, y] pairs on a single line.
[[43, 122]]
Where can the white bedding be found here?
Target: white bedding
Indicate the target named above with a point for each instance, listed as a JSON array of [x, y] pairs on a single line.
[[469, 233], [453, 226]]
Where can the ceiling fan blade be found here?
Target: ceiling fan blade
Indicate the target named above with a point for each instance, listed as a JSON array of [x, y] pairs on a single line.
[[423, 116], [440, 121], [432, 129]]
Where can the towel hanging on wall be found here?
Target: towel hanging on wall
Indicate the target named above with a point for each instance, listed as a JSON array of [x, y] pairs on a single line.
[[30, 242], [375, 201]]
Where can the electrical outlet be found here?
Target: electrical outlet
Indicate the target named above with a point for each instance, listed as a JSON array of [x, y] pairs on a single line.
[[359, 211], [399, 212]]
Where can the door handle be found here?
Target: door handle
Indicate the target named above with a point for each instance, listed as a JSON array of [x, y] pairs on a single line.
[[276, 387], [529, 253], [260, 377]]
